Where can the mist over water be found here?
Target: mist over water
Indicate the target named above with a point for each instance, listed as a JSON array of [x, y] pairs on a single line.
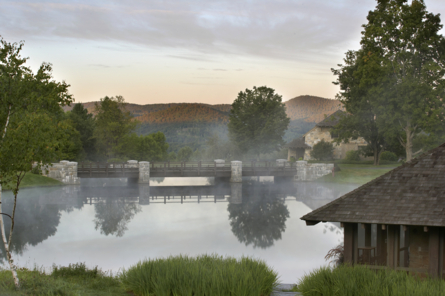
[[113, 223]]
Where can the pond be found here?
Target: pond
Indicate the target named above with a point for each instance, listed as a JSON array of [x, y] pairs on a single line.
[[114, 224]]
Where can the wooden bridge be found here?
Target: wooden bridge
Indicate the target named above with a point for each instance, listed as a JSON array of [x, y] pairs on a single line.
[[185, 169]]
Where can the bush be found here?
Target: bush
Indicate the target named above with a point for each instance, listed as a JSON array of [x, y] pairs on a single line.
[[389, 156], [353, 155], [184, 154], [36, 171], [204, 275], [292, 159], [360, 280], [323, 150]]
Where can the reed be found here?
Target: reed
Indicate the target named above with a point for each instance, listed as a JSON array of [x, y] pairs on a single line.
[[209, 275], [348, 280]]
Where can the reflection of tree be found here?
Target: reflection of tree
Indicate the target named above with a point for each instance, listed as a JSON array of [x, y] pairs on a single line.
[[112, 217], [258, 221], [36, 219]]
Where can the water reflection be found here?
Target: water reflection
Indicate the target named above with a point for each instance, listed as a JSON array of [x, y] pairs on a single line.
[[257, 211], [260, 219], [112, 216], [37, 216]]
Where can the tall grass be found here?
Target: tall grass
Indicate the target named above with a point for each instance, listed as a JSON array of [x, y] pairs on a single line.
[[73, 280], [208, 275], [359, 280]]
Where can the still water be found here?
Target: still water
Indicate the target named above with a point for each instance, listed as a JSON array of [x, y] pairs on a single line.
[[114, 224]]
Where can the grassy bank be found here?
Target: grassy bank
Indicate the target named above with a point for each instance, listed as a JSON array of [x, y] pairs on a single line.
[[73, 280], [359, 173], [33, 180], [360, 280], [209, 275]]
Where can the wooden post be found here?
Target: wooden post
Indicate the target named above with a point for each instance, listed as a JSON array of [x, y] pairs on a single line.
[[349, 242], [90, 167], [381, 245], [434, 247], [367, 253], [391, 247], [106, 170]]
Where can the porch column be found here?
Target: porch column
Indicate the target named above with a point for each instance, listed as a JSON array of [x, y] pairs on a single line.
[[349, 231], [434, 249]]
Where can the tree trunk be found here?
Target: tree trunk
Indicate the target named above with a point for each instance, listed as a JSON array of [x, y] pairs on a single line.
[[6, 243], [409, 143], [376, 155]]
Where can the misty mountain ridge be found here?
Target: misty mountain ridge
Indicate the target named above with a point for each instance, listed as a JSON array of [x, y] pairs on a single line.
[[310, 108], [190, 124]]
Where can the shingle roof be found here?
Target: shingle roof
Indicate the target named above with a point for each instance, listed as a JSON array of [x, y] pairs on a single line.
[[332, 119], [412, 194], [298, 143]]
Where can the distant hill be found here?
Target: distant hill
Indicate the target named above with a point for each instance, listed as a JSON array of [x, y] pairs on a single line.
[[310, 108], [192, 123]]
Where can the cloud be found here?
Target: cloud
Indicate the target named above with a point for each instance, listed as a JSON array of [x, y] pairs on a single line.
[[219, 70], [286, 29]]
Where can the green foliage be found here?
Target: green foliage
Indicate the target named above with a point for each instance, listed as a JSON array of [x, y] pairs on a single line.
[[209, 275], [36, 171], [171, 156], [258, 120], [71, 147], [387, 155], [403, 38], [151, 147], [84, 123], [184, 154], [73, 280], [113, 124], [360, 280], [293, 159], [353, 155], [323, 150]]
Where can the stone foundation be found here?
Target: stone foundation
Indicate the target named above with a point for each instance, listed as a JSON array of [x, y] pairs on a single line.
[[65, 171], [312, 171]]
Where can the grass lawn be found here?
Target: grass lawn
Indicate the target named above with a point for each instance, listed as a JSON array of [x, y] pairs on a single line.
[[357, 173], [33, 180]]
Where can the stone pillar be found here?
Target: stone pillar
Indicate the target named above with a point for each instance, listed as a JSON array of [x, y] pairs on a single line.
[[237, 171], [281, 163], [71, 176], [236, 193], [301, 170], [144, 172], [219, 163]]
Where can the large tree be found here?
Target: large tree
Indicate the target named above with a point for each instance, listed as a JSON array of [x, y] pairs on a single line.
[[32, 125], [113, 124], [84, 123], [258, 120], [403, 38], [360, 81]]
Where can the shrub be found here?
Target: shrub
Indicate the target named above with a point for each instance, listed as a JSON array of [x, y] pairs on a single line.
[[185, 153], [35, 170], [204, 275], [387, 155], [361, 280], [292, 159], [353, 155], [323, 150]]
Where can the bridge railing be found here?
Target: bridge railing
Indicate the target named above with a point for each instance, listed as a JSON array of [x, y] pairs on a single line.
[[106, 169]]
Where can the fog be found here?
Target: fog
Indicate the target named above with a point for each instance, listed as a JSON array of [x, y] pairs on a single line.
[[114, 224]]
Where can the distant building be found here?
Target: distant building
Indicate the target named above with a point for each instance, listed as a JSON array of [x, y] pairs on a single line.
[[397, 220], [323, 130]]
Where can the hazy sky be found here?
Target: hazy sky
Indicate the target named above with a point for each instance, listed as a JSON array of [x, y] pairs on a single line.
[[189, 51]]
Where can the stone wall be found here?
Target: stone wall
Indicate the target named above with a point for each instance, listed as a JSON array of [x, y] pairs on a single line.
[[312, 171], [65, 171], [317, 134]]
